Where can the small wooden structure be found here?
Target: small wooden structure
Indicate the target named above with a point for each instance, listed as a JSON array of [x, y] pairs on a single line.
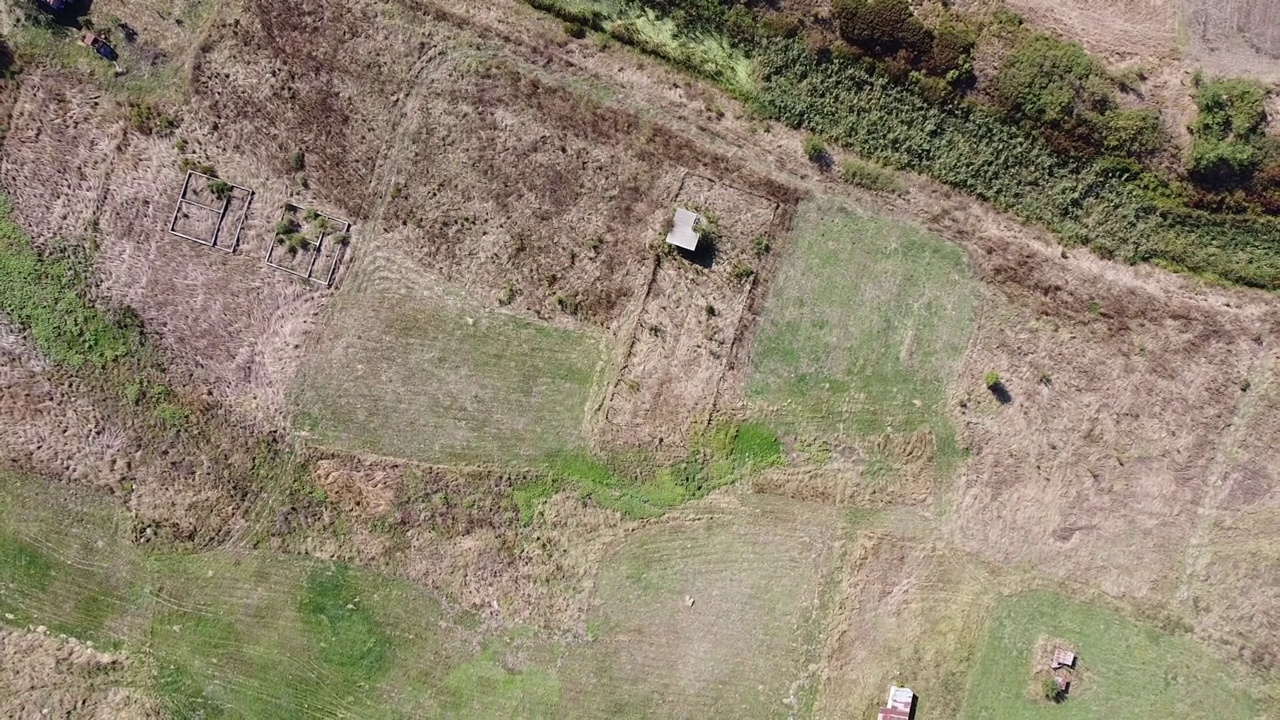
[[900, 705], [1062, 658], [682, 233]]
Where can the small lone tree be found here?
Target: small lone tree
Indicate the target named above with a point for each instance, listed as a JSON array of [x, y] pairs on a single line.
[[816, 151], [1051, 691], [997, 388]]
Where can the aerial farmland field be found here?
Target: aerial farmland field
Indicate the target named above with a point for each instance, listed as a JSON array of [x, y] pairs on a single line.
[[355, 361]]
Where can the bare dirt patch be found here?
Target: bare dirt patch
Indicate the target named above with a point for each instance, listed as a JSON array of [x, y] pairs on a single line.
[[45, 676], [1120, 391]]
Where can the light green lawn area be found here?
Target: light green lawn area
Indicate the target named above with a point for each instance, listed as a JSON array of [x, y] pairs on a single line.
[[754, 577], [1127, 670], [436, 377], [867, 323]]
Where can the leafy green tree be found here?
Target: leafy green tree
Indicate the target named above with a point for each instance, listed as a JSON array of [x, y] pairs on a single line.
[[881, 27], [1046, 80]]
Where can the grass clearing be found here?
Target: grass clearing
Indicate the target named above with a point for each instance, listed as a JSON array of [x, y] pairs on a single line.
[[435, 377], [1126, 669], [865, 327], [734, 652]]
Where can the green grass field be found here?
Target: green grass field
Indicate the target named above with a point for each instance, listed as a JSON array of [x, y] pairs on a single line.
[[245, 634], [753, 575], [1127, 670], [436, 377], [241, 634], [867, 323]]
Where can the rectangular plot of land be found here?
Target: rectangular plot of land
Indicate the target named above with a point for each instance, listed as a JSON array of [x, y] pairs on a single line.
[[867, 324], [210, 211], [308, 244], [412, 369], [1116, 655], [692, 313]]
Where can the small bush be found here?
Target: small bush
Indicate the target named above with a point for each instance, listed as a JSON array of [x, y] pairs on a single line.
[[146, 119], [761, 245], [293, 242], [341, 239], [508, 294], [951, 55], [708, 228], [870, 176], [574, 30], [570, 305], [1228, 131], [298, 161], [286, 226], [220, 189], [992, 379], [742, 272], [1050, 689], [815, 149], [1048, 81]]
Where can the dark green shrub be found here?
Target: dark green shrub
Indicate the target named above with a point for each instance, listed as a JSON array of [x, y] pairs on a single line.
[[1135, 132], [574, 30], [951, 55], [297, 161], [1228, 132], [286, 226], [1230, 109], [1048, 81], [1221, 162], [881, 27]]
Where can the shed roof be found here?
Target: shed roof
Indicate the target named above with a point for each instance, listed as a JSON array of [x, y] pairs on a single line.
[[682, 234]]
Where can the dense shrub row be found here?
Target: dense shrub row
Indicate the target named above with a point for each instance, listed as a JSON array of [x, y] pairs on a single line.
[[1092, 203]]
